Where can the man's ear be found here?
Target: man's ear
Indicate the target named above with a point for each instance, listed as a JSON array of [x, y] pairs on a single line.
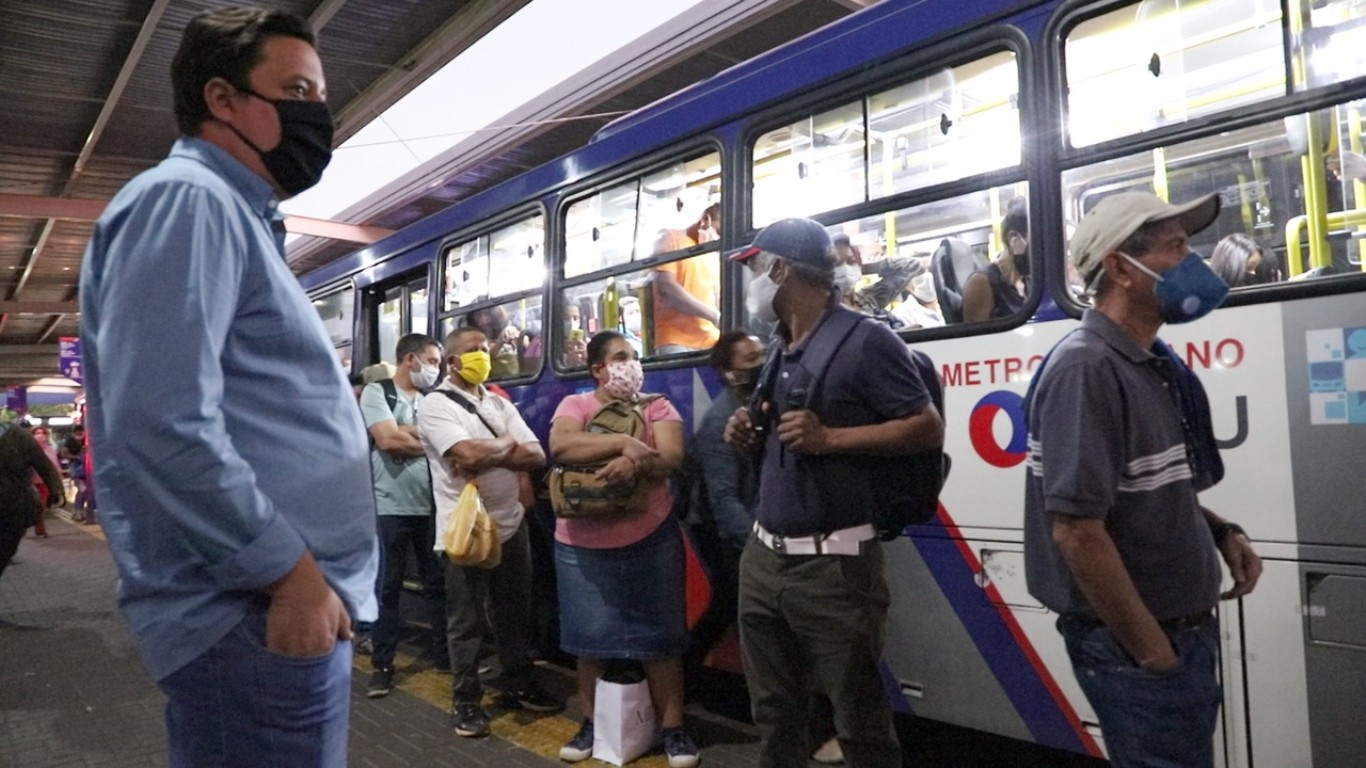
[[220, 97], [1121, 272]]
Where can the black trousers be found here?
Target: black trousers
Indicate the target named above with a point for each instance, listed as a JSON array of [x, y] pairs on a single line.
[[11, 533]]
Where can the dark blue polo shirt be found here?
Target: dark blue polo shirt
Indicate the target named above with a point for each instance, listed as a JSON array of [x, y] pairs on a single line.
[[870, 379]]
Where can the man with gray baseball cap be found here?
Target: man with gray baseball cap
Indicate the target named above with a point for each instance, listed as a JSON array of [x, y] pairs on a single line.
[[1120, 443]]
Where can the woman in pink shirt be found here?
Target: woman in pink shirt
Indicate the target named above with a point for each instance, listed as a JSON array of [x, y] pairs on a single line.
[[620, 578]]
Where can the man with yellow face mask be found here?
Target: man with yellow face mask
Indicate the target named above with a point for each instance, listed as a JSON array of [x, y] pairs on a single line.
[[472, 435]]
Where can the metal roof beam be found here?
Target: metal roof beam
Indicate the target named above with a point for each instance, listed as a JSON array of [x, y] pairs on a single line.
[[324, 13], [52, 326], [35, 207], [335, 230], [130, 64], [54, 208], [38, 308]]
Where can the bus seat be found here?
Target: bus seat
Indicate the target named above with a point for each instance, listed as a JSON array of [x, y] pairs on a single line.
[[953, 261]]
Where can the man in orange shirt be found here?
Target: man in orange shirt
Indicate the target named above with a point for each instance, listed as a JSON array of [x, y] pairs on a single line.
[[686, 293]]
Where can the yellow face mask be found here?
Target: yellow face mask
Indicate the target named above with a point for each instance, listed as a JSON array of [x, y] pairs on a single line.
[[475, 366]]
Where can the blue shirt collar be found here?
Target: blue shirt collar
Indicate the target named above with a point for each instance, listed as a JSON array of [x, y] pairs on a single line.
[[260, 196]]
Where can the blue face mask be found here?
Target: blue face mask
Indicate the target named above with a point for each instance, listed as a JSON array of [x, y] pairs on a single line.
[[1188, 291]]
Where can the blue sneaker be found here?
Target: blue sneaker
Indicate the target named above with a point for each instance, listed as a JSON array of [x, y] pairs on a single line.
[[581, 746], [680, 750]]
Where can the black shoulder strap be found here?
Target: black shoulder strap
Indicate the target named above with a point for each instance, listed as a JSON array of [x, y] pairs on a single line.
[[825, 342], [469, 406], [390, 393]]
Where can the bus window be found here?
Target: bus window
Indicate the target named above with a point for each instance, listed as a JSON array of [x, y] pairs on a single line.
[[678, 199], [337, 310], [958, 122], [600, 231], [915, 262], [1162, 62], [505, 261], [667, 309], [467, 274], [815, 164], [494, 281], [954, 123], [1328, 43], [1269, 229], [623, 223]]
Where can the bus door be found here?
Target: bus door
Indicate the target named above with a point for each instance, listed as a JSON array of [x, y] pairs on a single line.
[[392, 310]]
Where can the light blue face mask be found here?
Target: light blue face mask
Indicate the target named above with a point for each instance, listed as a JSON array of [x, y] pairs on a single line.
[[1188, 291]]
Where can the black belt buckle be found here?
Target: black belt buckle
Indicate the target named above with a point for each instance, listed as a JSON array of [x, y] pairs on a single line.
[[778, 545]]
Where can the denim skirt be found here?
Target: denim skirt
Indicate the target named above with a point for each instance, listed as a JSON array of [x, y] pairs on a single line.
[[625, 603]]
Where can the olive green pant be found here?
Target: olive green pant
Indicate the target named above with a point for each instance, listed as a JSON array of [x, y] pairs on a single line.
[[823, 616]]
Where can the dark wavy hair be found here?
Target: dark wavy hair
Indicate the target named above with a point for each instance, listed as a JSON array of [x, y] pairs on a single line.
[[224, 43], [723, 350], [597, 346]]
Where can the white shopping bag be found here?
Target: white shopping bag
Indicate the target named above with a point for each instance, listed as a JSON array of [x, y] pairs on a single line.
[[624, 725]]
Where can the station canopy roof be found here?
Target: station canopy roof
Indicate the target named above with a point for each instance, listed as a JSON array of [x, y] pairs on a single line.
[[435, 100]]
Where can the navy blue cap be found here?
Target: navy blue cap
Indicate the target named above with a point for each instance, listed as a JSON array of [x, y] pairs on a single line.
[[802, 240]]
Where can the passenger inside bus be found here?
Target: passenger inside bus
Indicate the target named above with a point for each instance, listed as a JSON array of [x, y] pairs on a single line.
[[999, 290], [893, 278], [920, 309], [1240, 261], [686, 296]]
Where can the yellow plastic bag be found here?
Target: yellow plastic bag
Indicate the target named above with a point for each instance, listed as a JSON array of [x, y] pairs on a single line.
[[471, 538]]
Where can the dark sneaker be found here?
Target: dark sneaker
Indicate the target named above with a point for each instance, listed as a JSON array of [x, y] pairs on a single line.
[[680, 750], [365, 645], [581, 746], [381, 682], [532, 697], [470, 720]]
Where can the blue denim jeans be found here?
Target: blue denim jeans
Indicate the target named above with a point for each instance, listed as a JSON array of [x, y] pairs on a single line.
[[241, 705], [1150, 719]]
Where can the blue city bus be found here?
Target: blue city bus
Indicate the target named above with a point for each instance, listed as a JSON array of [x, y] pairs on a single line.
[[910, 127]]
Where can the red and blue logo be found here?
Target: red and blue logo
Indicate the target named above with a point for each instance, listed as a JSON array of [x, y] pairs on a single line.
[[981, 428]]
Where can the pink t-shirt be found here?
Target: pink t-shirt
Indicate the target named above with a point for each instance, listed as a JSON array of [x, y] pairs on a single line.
[[615, 532]]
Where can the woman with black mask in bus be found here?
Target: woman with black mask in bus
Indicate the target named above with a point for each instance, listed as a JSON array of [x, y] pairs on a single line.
[[1000, 289]]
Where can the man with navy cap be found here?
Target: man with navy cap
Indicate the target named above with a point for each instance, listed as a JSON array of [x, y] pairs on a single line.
[[813, 597], [1116, 541]]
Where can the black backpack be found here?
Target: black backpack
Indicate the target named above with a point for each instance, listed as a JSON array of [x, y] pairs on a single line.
[[903, 490]]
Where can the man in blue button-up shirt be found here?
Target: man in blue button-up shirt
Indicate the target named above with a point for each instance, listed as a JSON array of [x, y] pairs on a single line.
[[232, 464]]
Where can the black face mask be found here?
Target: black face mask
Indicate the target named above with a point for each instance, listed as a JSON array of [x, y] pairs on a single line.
[[743, 379], [305, 146], [1021, 263]]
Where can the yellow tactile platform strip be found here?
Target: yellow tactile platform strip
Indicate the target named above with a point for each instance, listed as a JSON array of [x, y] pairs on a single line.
[[537, 733]]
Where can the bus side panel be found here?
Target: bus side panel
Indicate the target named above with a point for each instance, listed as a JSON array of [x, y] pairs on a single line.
[[1325, 376]]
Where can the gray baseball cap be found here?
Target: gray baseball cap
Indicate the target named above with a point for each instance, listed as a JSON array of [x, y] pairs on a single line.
[[1110, 223]]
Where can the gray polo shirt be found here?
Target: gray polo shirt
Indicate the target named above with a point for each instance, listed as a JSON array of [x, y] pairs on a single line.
[[870, 379], [1106, 441], [403, 484]]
